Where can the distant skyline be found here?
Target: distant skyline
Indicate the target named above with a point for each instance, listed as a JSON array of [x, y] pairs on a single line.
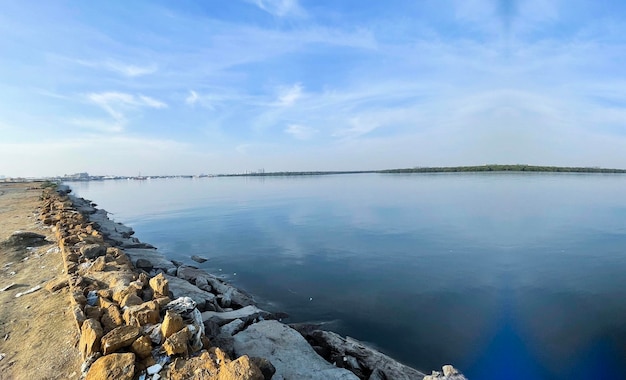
[[190, 87]]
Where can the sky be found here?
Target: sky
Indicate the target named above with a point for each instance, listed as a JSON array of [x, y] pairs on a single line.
[[192, 87]]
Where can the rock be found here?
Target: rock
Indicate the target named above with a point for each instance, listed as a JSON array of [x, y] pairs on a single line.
[[120, 291], [367, 357], [211, 328], [131, 300], [139, 315], [93, 312], [449, 370], [233, 327], [181, 288], [198, 259], [79, 316], [199, 276], [181, 305], [157, 259], [160, 285], [143, 264], [90, 334], [56, 284], [24, 238], [288, 351], [172, 323], [92, 251], [267, 368], [240, 369], [177, 343], [111, 317], [98, 265], [246, 314], [119, 337], [142, 347], [113, 367]]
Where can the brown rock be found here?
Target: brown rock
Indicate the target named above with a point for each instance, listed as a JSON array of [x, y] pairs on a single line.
[[119, 337], [78, 298], [160, 286], [240, 369], [139, 315], [90, 335], [56, 284], [99, 264], [142, 347], [172, 323], [162, 301], [267, 368], [111, 317], [93, 312], [131, 300], [177, 343], [113, 367], [79, 317], [122, 291], [200, 367]]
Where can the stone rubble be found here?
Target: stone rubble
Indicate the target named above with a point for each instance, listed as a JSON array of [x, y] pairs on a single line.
[[141, 316]]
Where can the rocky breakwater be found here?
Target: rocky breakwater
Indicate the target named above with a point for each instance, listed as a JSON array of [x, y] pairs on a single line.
[[142, 316]]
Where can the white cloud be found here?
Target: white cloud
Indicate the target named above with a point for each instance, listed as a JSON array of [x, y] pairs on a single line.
[[289, 95], [300, 132], [192, 98], [280, 8], [130, 70], [117, 104], [98, 124]]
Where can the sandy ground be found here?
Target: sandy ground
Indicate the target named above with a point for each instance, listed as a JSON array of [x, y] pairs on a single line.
[[37, 333]]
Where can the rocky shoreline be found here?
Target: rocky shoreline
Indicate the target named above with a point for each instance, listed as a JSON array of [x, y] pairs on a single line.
[[142, 316]]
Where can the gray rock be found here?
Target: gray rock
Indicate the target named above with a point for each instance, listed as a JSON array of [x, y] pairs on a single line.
[[246, 314], [156, 258], [143, 264], [198, 259], [24, 238], [288, 351], [233, 327], [93, 251], [364, 356], [181, 288], [195, 275]]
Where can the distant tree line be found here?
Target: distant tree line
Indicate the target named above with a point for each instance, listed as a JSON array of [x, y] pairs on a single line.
[[443, 169], [505, 168]]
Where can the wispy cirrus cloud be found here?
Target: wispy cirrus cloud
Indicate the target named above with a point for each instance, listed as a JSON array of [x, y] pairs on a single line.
[[287, 96], [280, 8], [300, 132], [125, 69], [116, 104]]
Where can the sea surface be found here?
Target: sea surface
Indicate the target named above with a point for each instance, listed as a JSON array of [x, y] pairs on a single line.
[[505, 276]]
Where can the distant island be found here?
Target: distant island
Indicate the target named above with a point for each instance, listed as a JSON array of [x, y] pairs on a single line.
[[443, 169], [80, 177]]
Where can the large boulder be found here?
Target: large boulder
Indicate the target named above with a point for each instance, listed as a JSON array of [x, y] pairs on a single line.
[[288, 351], [113, 367], [119, 337], [181, 288], [90, 334]]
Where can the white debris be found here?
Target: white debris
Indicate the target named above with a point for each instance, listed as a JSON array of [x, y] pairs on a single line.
[[2, 356], [7, 287], [31, 290], [154, 369]]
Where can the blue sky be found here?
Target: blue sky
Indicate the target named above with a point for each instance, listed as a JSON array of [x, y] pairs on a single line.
[[166, 87]]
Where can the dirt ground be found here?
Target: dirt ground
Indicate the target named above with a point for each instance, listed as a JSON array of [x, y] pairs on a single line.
[[38, 338]]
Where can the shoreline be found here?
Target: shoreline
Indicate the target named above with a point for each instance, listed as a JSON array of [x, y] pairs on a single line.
[[223, 315]]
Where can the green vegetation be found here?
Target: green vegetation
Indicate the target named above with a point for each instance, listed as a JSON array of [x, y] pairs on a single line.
[[504, 168], [444, 169]]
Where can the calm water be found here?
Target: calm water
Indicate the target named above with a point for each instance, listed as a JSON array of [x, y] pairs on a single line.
[[507, 276]]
